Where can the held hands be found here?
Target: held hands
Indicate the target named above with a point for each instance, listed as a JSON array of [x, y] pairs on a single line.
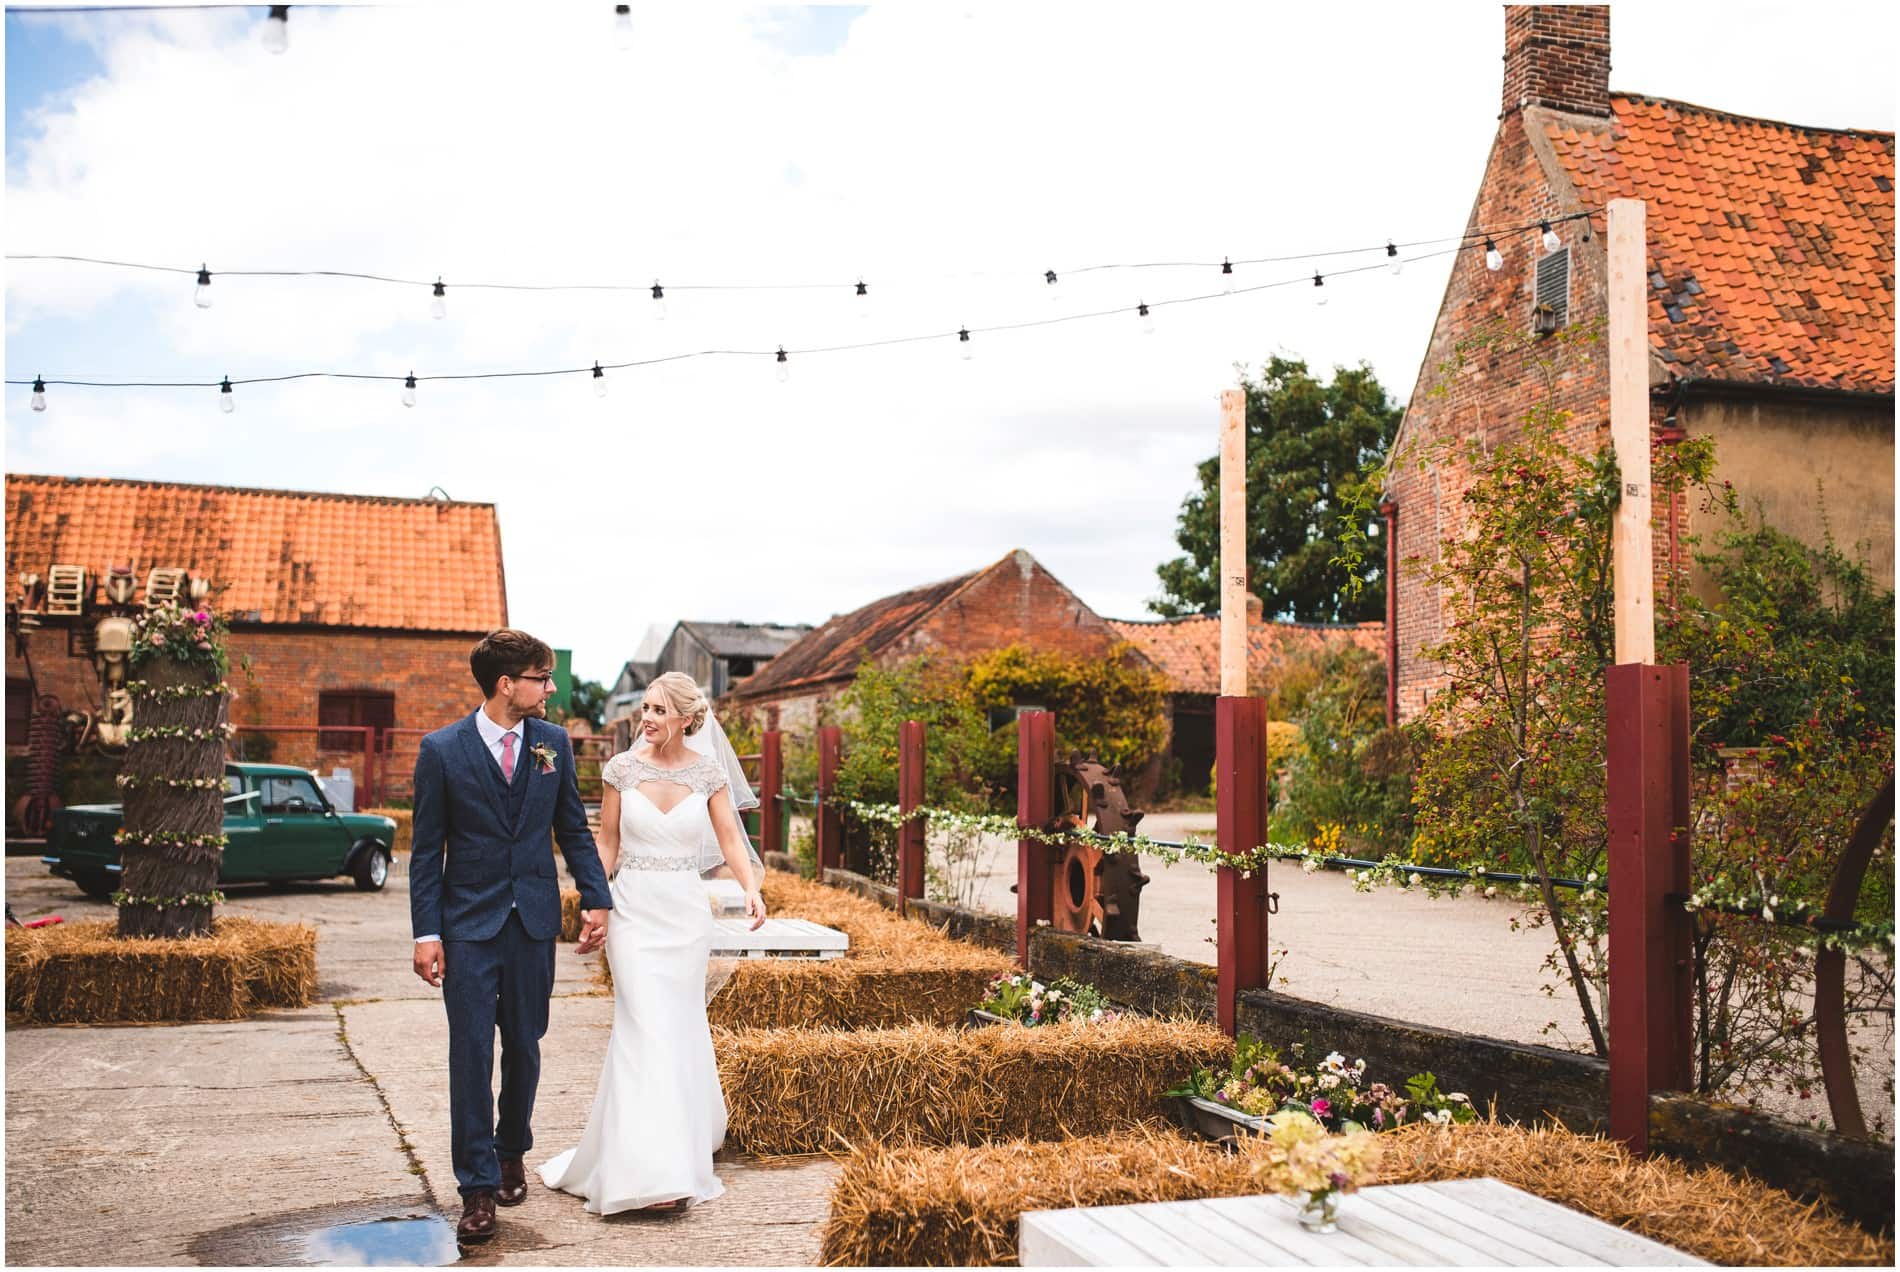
[[755, 910], [593, 931], [429, 964]]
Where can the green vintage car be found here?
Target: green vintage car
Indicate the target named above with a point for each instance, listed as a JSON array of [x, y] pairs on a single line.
[[280, 828]]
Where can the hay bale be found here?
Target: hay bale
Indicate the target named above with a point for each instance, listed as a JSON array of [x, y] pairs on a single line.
[[571, 917], [1717, 1216], [402, 817], [824, 1090], [85, 973], [877, 992], [896, 1206], [958, 1206]]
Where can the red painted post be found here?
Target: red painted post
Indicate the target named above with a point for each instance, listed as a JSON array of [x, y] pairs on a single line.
[[1240, 815], [1035, 806], [771, 792], [829, 824], [910, 797], [1650, 938], [372, 738]]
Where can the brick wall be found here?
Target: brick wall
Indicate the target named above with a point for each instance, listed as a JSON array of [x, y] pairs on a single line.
[[1557, 56], [1015, 602]]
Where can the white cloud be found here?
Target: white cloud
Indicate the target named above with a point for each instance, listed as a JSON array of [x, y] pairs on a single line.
[[938, 141]]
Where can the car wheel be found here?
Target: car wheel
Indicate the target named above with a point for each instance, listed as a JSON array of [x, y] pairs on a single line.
[[373, 871], [96, 884]]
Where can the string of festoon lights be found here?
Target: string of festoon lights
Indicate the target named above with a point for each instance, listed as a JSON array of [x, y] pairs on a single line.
[[276, 34], [1389, 258]]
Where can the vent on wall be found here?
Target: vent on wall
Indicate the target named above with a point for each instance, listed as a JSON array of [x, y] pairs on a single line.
[[1553, 287]]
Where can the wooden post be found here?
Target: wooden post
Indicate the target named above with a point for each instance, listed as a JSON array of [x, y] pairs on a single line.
[[1634, 571], [1240, 813], [1233, 543], [1650, 936], [829, 824], [910, 797], [1035, 806], [771, 792]]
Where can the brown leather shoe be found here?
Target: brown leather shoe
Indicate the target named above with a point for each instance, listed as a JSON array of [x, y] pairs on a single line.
[[478, 1218], [514, 1182]]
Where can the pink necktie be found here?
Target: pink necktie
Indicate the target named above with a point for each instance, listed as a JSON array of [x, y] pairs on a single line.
[[507, 757]]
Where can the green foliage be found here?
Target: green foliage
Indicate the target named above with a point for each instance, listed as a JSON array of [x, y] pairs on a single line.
[[1260, 1083], [587, 700], [1313, 451], [1113, 707], [1349, 770], [191, 636], [1028, 1001]]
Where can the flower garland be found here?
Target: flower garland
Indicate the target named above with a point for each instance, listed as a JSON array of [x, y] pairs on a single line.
[[131, 780], [1794, 915], [173, 693], [150, 732], [214, 897], [185, 636], [168, 839]]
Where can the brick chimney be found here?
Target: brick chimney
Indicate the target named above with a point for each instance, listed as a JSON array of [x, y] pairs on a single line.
[[1557, 55]]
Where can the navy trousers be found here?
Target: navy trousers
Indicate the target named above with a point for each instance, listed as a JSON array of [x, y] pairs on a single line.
[[504, 981]]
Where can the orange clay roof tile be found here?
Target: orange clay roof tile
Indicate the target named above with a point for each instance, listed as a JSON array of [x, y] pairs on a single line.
[[274, 556], [1786, 231], [1188, 649]]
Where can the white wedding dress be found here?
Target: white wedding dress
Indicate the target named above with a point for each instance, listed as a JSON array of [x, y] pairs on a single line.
[[659, 1114]]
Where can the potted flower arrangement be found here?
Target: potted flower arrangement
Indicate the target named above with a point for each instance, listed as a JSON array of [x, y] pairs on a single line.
[[1301, 1158], [1334, 1093], [1022, 1000]]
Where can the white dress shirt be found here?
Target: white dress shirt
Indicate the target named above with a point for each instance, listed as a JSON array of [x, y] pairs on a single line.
[[492, 734]]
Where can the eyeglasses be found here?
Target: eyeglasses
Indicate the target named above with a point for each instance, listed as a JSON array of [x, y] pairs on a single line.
[[545, 680]]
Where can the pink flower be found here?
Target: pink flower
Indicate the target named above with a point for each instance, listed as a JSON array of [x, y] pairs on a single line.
[[158, 638], [1322, 1108], [204, 644], [201, 617]]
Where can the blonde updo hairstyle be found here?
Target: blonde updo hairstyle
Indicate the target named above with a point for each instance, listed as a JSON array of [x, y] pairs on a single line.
[[682, 693]]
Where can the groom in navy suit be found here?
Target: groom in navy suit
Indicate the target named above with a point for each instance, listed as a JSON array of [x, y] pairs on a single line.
[[486, 905]]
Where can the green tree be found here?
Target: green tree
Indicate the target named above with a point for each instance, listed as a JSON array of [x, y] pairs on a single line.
[[588, 701], [1310, 447]]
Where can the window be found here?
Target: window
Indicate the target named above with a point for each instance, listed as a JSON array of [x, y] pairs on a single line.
[[1553, 285], [19, 709], [352, 708], [290, 795]]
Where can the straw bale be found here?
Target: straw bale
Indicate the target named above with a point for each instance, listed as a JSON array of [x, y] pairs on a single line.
[[85, 973], [571, 916], [402, 817], [825, 1090], [1717, 1216], [905, 1205]]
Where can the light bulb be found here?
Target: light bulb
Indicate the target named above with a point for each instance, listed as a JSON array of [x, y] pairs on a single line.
[[623, 27], [1147, 319], [227, 400], [600, 381], [964, 347], [864, 300], [1319, 282], [1551, 241], [277, 28], [1226, 277], [1392, 251], [784, 367], [439, 307], [659, 302], [1049, 281], [1493, 259], [202, 297], [409, 390], [39, 394]]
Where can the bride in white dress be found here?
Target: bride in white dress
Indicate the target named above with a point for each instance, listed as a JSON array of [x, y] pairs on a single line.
[[659, 1114]]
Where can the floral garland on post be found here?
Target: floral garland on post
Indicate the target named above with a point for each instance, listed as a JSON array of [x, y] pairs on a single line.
[[1719, 897], [152, 732], [169, 839], [129, 780], [173, 693], [160, 903]]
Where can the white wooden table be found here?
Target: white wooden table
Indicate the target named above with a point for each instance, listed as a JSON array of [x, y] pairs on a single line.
[[777, 938], [1456, 1223]]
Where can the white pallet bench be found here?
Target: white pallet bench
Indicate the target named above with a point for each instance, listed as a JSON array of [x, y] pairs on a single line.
[[1453, 1223], [777, 938]]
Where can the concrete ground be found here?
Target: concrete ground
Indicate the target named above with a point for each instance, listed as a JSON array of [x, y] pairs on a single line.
[[231, 1143]]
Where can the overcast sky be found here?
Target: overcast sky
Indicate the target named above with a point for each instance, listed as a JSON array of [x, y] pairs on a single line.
[[947, 153]]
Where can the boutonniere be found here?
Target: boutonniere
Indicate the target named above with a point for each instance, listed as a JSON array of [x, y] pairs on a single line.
[[543, 756]]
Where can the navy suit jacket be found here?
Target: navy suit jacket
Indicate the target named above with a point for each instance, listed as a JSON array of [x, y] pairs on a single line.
[[471, 862]]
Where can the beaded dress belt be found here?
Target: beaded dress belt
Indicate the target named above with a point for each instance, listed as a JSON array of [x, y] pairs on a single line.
[[658, 863]]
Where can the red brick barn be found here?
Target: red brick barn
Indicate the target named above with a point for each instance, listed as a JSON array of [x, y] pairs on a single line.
[[1770, 251]]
